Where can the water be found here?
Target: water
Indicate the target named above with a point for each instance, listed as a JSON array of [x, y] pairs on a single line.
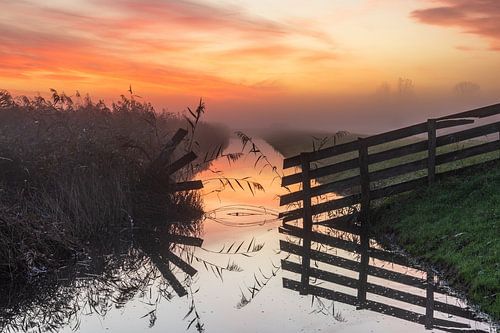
[[238, 285]]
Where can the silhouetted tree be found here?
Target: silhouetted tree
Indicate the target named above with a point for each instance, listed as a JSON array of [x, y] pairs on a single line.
[[405, 87]]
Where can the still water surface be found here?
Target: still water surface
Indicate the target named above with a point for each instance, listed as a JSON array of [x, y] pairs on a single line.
[[238, 286]]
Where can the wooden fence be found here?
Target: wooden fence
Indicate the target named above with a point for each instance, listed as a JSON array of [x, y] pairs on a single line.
[[369, 169]]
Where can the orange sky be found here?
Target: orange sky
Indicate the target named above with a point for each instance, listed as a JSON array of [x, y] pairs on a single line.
[[248, 57]]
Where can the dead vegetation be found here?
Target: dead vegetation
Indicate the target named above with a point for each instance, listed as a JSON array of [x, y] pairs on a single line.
[[69, 169]]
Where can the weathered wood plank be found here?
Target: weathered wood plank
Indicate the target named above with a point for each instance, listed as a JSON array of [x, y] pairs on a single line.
[[180, 163], [486, 111], [395, 170], [396, 134], [177, 261], [164, 156], [186, 186], [397, 152], [186, 240], [453, 122], [468, 152], [332, 187], [321, 154], [168, 275], [352, 146], [322, 171], [307, 223], [364, 217], [431, 150], [467, 134]]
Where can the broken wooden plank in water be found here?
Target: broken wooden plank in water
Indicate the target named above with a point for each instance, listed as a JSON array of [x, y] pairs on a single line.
[[167, 150], [186, 186], [177, 261], [185, 240], [168, 275], [180, 163]]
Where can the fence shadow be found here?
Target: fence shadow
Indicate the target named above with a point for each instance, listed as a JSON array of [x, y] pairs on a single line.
[[370, 278]]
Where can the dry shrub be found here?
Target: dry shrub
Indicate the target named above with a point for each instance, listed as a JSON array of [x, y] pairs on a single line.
[[68, 171]]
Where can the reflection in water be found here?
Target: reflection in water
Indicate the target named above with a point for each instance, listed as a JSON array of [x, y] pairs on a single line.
[[172, 280], [144, 263], [243, 215], [392, 285]]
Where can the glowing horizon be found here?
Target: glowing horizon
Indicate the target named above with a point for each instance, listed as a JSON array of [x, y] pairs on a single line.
[[254, 52]]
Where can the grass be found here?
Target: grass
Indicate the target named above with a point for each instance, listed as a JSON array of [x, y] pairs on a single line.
[[71, 170], [454, 224]]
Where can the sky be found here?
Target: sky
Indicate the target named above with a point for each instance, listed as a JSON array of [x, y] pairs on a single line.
[[361, 65]]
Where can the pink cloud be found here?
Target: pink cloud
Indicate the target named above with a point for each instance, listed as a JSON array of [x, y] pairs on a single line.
[[479, 17], [119, 38]]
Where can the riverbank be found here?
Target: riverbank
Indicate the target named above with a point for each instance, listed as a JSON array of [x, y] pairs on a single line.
[[453, 225], [74, 172]]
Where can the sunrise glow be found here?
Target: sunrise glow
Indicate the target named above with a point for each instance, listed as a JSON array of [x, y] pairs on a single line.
[[256, 53]]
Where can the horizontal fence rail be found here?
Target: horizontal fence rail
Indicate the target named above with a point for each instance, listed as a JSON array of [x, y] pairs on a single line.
[[335, 186]]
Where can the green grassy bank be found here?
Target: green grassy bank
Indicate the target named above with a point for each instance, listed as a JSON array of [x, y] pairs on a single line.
[[455, 224]]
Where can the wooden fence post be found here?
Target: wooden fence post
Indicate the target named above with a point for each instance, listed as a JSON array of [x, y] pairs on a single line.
[[431, 177], [306, 223], [498, 132], [429, 304], [365, 221], [431, 160]]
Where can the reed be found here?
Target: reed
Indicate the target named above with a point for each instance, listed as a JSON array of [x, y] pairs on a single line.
[[69, 169]]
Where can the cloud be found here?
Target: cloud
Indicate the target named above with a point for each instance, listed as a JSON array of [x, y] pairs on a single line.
[[179, 45], [479, 17]]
